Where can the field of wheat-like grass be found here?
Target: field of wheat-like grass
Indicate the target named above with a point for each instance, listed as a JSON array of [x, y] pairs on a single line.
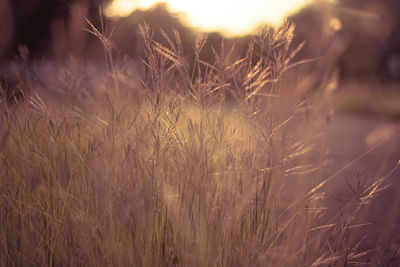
[[178, 162]]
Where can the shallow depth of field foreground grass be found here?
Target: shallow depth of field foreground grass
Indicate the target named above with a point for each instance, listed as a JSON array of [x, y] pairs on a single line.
[[174, 164]]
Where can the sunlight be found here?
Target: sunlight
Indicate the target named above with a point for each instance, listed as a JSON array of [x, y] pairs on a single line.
[[231, 17]]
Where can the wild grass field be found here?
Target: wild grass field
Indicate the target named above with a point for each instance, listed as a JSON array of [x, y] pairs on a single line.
[[174, 162]]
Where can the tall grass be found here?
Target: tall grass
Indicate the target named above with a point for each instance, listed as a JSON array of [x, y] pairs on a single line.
[[181, 162]]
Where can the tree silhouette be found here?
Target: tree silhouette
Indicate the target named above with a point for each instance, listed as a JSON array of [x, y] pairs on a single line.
[[46, 27]]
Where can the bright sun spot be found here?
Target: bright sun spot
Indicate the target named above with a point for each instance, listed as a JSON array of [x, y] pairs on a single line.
[[232, 17]]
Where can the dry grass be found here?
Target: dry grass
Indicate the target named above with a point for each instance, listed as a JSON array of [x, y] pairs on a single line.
[[185, 165]]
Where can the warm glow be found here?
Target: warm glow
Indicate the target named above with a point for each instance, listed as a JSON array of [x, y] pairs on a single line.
[[232, 17]]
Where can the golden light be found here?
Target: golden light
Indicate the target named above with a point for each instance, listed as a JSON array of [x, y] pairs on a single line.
[[231, 17]]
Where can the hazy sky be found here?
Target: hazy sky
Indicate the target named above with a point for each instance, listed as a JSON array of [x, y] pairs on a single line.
[[232, 17]]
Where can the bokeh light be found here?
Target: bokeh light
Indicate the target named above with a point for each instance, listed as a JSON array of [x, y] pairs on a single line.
[[230, 17]]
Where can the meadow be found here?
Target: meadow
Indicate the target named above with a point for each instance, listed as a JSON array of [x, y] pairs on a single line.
[[175, 161]]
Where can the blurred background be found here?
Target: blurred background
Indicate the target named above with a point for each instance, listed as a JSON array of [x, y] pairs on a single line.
[[362, 37], [47, 28]]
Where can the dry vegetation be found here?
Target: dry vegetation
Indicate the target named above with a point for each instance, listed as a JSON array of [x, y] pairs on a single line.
[[176, 163]]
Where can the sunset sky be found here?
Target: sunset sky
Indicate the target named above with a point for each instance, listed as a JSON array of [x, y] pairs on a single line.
[[231, 17]]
